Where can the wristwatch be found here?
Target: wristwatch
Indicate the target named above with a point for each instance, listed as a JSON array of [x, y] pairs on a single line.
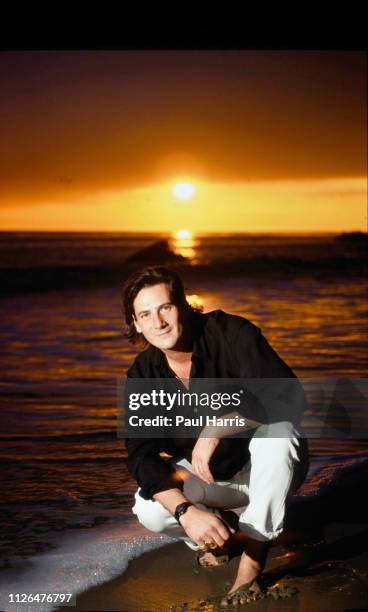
[[181, 509]]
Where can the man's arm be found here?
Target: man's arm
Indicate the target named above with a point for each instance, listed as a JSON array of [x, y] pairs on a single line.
[[228, 425], [200, 526], [152, 472], [210, 437], [273, 392]]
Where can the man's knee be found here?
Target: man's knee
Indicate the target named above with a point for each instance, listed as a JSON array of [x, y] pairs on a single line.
[[151, 514], [281, 429], [278, 442]]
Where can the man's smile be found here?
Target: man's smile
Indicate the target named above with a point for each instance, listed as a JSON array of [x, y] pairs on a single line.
[[164, 333]]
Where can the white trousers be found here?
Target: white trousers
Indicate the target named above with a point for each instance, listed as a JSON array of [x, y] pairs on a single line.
[[259, 493]]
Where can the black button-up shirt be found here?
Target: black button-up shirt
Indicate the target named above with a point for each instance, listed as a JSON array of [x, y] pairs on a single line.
[[225, 346]]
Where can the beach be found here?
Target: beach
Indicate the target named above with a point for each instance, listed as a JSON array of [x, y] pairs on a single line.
[[168, 578], [329, 576], [66, 492]]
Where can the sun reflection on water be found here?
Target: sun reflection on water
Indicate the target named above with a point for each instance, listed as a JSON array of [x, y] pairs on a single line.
[[195, 300], [184, 243]]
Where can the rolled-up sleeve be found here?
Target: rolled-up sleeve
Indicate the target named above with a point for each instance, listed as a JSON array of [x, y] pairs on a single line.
[[152, 472]]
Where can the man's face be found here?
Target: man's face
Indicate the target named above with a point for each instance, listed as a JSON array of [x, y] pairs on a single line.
[[156, 317]]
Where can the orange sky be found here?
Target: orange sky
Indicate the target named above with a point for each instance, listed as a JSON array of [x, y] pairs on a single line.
[[271, 140]]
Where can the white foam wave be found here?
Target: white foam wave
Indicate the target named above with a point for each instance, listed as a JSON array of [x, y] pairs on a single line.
[[90, 557], [85, 559]]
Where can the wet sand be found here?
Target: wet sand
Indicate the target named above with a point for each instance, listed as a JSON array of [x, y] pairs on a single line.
[[170, 576], [330, 576]]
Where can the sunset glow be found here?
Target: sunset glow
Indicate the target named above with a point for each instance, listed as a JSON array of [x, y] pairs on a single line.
[[183, 191], [331, 205], [209, 141], [185, 244], [183, 234]]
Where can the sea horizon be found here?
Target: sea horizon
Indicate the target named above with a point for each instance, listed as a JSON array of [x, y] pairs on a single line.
[[194, 232]]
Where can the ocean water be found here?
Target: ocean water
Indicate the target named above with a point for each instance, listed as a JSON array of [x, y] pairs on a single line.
[[66, 494], [26, 250]]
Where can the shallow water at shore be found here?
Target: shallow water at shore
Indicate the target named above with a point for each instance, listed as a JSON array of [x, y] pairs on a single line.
[[62, 354], [63, 351]]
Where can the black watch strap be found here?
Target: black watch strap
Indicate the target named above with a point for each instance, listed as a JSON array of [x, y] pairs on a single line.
[[181, 509]]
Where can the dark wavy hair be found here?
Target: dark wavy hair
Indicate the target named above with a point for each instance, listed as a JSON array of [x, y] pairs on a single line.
[[148, 277]]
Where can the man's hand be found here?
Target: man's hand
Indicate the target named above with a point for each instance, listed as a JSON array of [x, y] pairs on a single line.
[[205, 528], [201, 455]]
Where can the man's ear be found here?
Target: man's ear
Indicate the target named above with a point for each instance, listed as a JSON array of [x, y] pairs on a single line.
[[139, 330]]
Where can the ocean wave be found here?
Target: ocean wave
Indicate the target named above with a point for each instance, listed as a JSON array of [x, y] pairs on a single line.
[[326, 471], [75, 437], [67, 460], [82, 561], [43, 278], [88, 559]]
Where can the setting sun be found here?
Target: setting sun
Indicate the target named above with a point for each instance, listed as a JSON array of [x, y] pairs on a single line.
[[183, 190], [183, 233]]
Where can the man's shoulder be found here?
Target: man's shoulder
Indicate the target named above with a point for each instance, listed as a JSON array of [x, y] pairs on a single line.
[[142, 363], [229, 324]]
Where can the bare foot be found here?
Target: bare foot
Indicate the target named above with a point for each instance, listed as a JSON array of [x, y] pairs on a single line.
[[246, 588], [247, 572]]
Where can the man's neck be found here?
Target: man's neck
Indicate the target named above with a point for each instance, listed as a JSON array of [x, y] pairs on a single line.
[[178, 356], [180, 363]]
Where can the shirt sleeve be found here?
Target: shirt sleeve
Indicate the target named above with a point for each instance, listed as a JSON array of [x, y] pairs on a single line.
[[152, 472], [272, 391]]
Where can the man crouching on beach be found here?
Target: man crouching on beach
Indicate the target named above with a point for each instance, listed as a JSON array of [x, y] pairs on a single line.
[[191, 496]]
